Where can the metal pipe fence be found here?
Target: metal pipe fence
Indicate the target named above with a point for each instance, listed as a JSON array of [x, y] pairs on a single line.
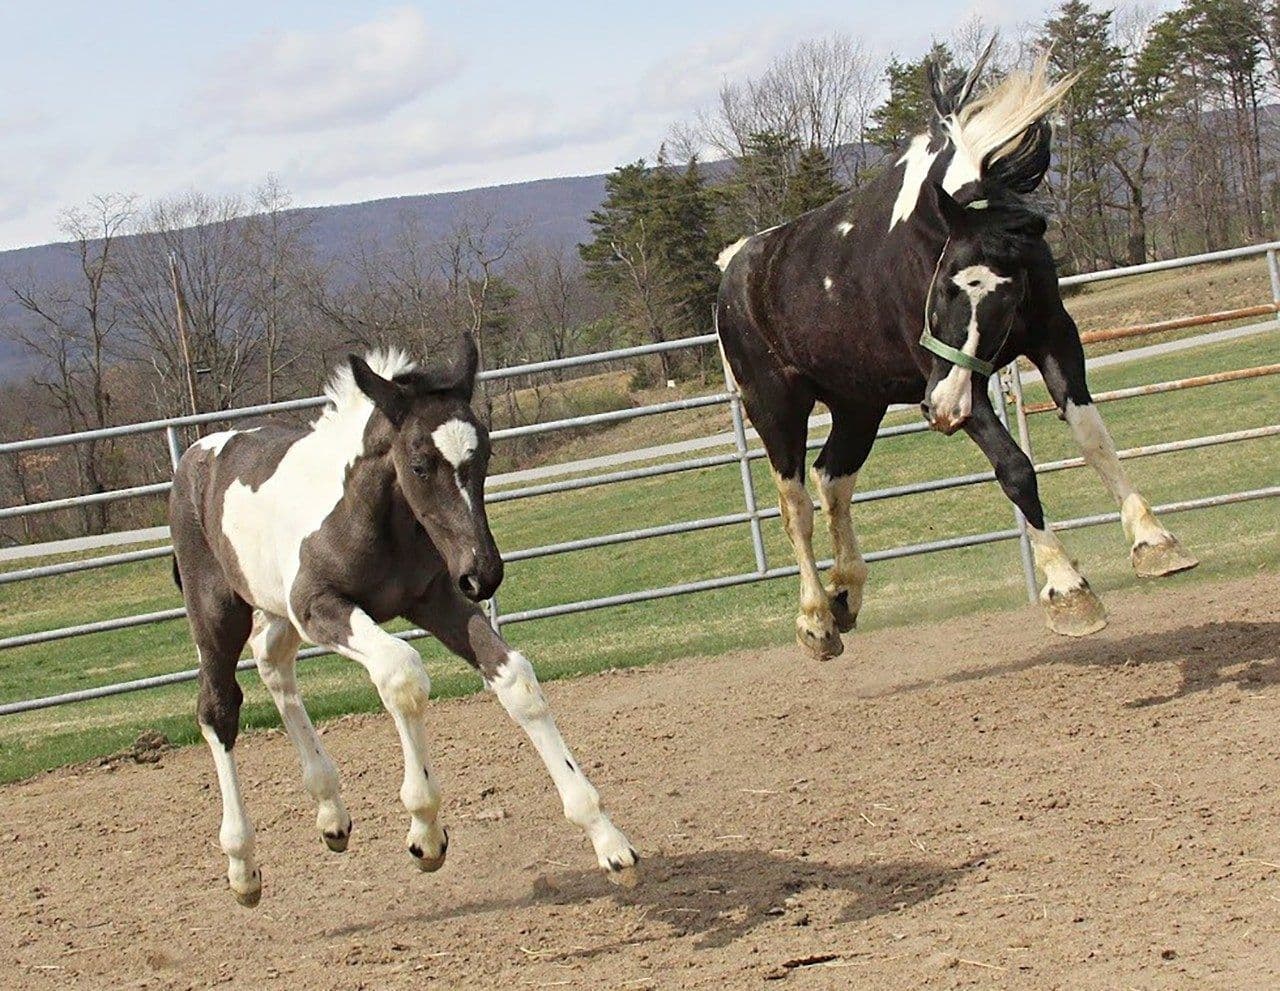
[[741, 454]]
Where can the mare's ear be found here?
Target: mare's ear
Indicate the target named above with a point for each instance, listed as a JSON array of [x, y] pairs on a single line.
[[387, 396], [952, 212]]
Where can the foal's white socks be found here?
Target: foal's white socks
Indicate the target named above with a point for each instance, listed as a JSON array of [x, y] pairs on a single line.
[[236, 834], [516, 686]]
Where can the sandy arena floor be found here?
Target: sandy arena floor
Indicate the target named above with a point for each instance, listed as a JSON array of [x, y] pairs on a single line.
[[971, 804]]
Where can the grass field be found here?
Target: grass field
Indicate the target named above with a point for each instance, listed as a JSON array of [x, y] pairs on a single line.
[[1230, 541]]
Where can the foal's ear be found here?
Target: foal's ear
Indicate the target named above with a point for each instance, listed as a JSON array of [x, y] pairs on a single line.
[[386, 395], [952, 212], [463, 370]]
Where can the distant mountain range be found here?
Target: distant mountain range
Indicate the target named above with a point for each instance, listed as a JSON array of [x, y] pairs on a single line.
[[552, 211]]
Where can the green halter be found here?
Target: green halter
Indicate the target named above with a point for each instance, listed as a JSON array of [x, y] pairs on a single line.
[[941, 348]]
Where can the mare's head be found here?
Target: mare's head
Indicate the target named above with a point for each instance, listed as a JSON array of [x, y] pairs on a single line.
[[440, 451], [988, 148]]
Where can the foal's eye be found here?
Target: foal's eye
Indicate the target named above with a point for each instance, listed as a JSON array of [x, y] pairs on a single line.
[[420, 469]]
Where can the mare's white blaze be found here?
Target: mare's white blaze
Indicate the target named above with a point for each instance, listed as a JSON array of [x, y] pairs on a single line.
[[1051, 558], [236, 835], [516, 686], [918, 160], [456, 441], [952, 397], [1099, 452], [216, 442]]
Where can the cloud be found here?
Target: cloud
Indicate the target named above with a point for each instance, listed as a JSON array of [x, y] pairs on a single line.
[[296, 81]]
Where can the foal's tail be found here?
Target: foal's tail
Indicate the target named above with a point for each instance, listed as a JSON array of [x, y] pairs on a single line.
[[177, 577]]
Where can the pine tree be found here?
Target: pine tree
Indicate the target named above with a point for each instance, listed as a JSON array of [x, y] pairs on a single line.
[[812, 185], [908, 109]]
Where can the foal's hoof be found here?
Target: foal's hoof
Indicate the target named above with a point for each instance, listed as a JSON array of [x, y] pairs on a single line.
[[252, 894], [845, 618], [1076, 613], [337, 840], [429, 864], [820, 646], [621, 868], [1167, 557]]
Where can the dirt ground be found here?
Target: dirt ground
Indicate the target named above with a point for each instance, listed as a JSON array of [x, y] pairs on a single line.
[[971, 804]]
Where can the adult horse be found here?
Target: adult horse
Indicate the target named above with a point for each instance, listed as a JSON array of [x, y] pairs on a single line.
[[374, 511], [829, 308]]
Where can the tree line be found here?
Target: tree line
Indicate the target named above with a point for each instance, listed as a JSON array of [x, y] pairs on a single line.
[[1167, 145]]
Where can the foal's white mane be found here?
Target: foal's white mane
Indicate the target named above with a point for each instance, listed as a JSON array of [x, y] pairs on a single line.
[[990, 126], [347, 404]]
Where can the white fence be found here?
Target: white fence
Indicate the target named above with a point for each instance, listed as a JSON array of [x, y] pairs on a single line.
[[742, 453]]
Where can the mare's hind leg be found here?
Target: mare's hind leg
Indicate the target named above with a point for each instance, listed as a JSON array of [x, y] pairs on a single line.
[[463, 628], [1154, 551], [220, 623], [835, 473], [275, 648]]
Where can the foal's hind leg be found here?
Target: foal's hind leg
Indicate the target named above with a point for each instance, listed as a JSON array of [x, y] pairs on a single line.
[[463, 628], [835, 473], [402, 682], [275, 647], [1154, 551]]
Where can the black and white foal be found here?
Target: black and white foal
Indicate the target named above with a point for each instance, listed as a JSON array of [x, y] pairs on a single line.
[[829, 308], [375, 511]]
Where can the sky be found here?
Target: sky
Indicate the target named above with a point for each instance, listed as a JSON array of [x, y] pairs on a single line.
[[355, 101]]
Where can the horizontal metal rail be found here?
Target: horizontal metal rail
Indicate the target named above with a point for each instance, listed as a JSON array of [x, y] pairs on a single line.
[[613, 416], [74, 502], [1168, 265], [89, 564], [689, 526], [1178, 323], [1175, 385], [649, 595]]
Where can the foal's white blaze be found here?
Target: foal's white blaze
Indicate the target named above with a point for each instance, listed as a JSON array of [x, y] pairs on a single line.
[[456, 441], [918, 160], [952, 398], [516, 686]]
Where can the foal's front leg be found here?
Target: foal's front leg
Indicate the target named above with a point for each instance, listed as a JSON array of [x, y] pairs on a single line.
[[402, 682], [1154, 551], [1071, 607], [464, 629]]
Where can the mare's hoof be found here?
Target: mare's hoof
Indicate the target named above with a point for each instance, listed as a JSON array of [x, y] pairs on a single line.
[[429, 864], [846, 620], [337, 841], [820, 646], [1076, 613], [1164, 558]]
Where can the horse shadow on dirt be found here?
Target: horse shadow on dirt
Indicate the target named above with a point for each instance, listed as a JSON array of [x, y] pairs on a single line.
[[1204, 654], [718, 896]]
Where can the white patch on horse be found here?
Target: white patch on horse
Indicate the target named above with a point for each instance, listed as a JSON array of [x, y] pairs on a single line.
[[951, 398], [1052, 559], [266, 527], [236, 834], [216, 442], [843, 228], [726, 256], [456, 441], [828, 283], [516, 686], [918, 161]]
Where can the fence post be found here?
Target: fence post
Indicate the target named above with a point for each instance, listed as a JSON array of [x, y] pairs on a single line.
[[744, 464], [175, 446], [1014, 377], [1274, 267], [494, 617]]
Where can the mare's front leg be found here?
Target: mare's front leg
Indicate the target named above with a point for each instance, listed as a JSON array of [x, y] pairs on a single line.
[[1071, 608], [1154, 551], [402, 682], [462, 627]]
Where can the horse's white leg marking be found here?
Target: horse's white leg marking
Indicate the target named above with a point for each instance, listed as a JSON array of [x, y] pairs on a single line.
[[849, 573], [517, 688], [402, 682], [275, 645], [815, 625], [1061, 574], [236, 834]]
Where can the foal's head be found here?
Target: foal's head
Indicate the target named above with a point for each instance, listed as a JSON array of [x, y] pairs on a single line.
[[975, 298], [440, 451]]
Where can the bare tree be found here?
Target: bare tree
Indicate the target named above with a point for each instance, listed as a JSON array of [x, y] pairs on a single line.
[[75, 332]]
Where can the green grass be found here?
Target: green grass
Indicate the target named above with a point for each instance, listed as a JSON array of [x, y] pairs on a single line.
[[1231, 541]]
